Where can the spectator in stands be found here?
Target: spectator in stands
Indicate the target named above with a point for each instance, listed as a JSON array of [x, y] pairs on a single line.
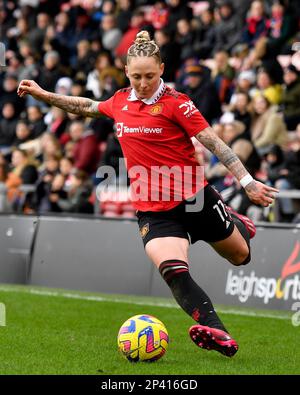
[[56, 121], [275, 162], [44, 184], [23, 133], [110, 33], [188, 59], [291, 97], [242, 7], [86, 152], [6, 23], [244, 82], [76, 201], [267, 127], [3, 169], [52, 42], [282, 27], [25, 50], [96, 45], [8, 93], [78, 88], [30, 66], [179, 9], [36, 35], [36, 122], [239, 57], [257, 24], [103, 61], [82, 29], [18, 32], [23, 172], [170, 53], [185, 36], [50, 71], [66, 166], [205, 35], [4, 206], [3, 175], [69, 150], [63, 86], [108, 7], [228, 29], [267, 86], [14, 64], [8, 124], [159, 15], [124, 13], [65, 137], [222, 75], [240, 109], [85, 58], [202, 91], [49, 146], [111, 79], [56, 192], [28, 11]]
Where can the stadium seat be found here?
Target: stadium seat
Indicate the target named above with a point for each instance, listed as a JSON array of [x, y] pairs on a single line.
[[116, 202]]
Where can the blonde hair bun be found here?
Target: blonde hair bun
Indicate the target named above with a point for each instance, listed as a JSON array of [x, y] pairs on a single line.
[[143, 47], [142, 37]]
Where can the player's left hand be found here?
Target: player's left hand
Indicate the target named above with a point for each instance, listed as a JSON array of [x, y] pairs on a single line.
[[260, 193]]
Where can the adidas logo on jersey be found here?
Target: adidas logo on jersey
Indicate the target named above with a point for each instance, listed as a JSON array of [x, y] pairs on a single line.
[[125, 108]]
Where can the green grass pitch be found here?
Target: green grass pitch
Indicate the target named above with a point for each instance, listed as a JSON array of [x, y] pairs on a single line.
[[67, 332]]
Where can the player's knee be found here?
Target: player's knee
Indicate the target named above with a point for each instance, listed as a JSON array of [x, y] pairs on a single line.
[[242, 256]]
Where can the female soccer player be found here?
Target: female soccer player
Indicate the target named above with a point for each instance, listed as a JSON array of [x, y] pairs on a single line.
[[154, 124]]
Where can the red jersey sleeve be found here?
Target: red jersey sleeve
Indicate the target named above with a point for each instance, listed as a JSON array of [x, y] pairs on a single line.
[[106, 107], [186, 115]]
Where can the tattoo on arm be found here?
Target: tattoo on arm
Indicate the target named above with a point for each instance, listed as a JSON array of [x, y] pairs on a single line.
[[225, 154], [74, 104]]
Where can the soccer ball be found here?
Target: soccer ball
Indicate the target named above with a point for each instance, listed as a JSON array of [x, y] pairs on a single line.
[[143, 338]]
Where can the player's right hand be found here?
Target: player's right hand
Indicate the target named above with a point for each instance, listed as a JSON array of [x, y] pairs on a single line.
[[30, 87], [260, 193]]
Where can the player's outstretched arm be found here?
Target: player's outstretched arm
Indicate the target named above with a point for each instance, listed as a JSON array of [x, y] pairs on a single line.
[[76, 105], [257, 192]]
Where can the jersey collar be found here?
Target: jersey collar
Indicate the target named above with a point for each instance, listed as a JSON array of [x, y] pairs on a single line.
[[157, 95]]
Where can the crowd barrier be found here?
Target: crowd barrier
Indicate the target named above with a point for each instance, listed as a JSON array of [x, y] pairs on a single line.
[[17, 235], [107, 255]]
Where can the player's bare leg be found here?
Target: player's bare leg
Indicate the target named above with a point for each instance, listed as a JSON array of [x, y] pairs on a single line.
[[234, 248]]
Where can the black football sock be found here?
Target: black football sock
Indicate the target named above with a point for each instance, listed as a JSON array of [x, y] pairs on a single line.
[[190, 297]]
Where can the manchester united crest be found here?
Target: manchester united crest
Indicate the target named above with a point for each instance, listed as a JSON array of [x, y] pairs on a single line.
[[156, 109], [144, 230]]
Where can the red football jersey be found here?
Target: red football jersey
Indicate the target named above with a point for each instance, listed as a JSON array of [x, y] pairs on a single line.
[[155, 136]]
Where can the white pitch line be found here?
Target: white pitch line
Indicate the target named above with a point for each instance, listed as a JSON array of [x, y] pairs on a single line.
[[95, 298]]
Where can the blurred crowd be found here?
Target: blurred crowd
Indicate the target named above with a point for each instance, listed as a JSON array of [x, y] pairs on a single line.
[[238, 60]]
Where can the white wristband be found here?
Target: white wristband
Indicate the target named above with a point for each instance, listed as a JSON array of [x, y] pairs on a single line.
[[246, 180]]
